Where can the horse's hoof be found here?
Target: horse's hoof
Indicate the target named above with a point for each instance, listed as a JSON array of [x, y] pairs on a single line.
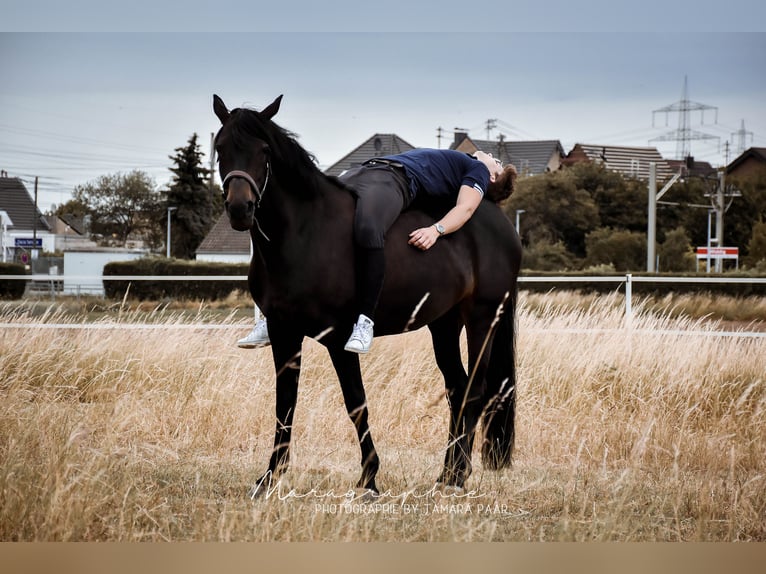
[[365, 495], [261, 489], [441, 490]]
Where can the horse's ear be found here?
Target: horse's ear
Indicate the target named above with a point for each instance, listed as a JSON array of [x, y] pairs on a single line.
[[220, 109], [272, 109]]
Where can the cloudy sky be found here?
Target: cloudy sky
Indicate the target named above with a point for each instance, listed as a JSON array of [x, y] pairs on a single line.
[[79, 104]]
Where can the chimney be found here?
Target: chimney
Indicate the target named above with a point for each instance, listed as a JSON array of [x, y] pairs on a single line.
[[460, 135]]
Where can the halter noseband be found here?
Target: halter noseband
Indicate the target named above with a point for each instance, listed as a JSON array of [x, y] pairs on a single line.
[[256, 188], [248, 178]]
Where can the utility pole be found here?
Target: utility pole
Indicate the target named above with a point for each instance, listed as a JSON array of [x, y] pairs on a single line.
[[651, 220], [439, 137], [491, 124], [651, 215], [34, 225]]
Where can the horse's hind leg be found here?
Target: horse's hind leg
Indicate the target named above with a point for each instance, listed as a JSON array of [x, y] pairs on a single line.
[[350, 376], [467, 399], [286, 350], [445, 334]]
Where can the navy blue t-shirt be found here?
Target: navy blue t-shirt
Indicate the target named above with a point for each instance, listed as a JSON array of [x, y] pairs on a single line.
[[441, 172]]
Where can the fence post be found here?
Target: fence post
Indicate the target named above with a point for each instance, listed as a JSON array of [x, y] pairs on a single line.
[[628, 301]]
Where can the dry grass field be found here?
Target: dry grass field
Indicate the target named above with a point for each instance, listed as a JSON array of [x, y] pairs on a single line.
[[128, 432]]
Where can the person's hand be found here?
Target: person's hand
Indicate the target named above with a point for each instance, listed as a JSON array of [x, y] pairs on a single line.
[[424, 238]]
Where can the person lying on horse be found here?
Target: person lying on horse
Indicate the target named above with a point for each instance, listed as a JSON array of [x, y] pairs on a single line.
[[385, 187]]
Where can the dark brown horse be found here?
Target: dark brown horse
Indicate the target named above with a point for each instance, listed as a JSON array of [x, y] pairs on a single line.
[[302, 277]]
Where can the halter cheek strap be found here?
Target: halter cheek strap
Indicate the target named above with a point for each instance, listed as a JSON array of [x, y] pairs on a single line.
[[256, 188]]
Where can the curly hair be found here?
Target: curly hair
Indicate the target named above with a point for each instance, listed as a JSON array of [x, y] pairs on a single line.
[[502, 188]]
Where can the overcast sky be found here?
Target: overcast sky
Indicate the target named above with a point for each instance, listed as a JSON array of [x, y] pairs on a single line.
[[77, 105]]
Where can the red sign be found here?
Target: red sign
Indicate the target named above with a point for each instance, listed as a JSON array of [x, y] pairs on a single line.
[[718, 252]]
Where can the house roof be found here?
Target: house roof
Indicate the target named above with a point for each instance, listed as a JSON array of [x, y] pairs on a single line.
[[223, 239], [16, 201], [697, 169], [629, 161], [756, 153], [529, 157], [376, 146]]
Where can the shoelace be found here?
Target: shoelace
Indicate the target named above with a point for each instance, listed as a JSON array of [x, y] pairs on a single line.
[[360, 332]]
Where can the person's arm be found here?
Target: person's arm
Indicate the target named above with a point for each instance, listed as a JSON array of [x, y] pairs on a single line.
[[468, 200]]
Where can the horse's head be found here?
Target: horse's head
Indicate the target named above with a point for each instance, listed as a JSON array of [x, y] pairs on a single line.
[[243, 160]]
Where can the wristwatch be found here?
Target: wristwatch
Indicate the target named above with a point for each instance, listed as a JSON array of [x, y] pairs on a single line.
[[440, 228]]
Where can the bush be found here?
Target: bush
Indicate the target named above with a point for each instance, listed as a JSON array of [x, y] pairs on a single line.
[[625, 250], [12, 288], [158, 290], [544, 256], [756, 247], [676, 251]]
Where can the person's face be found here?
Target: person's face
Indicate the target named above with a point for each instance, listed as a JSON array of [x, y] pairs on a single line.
[[494, 166]]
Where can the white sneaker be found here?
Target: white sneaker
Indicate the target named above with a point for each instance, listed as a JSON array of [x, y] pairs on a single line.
[[361, 337], [258, 337]]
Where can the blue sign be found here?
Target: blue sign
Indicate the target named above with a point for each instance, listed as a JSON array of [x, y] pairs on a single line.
[[28, 242]]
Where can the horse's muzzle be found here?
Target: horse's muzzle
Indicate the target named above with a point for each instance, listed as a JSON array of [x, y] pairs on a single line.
[[240, 214], [240, 204]]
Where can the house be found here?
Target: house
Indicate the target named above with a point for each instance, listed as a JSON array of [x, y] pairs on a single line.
[[23, 229], [69, 233], [529, 157], [628, 161], [377, 146], [752, 162], [224, 244], [693, 168]]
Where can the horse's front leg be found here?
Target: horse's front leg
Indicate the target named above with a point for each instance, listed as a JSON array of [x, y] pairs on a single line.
[[286, 351], [350, 376]]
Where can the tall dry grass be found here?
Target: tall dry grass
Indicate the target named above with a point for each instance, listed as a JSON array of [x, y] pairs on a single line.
[[127, 433]]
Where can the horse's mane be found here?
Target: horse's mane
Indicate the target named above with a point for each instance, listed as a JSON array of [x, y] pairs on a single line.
[[295, 168]]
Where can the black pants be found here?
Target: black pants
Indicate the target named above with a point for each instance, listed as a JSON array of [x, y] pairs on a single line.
[[382, 194]]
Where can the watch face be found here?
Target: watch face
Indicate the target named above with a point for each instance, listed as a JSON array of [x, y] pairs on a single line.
[[439, 228]]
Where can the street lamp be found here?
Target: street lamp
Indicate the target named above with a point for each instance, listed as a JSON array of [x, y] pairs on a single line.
[[518, 214], [170, 210]]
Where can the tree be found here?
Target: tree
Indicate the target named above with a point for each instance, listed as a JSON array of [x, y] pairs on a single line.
[[119, 206], [676, 251], [621, 201], [756, 247], [556, 210], [195, 205], [747, 210]]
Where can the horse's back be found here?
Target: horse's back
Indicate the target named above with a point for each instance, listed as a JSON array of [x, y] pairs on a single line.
[[478, 262]]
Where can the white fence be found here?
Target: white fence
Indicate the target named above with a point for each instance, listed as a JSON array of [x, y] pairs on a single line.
[[628, 280]]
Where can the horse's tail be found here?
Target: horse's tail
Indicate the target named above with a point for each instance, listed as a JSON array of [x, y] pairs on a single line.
[[500, 399]]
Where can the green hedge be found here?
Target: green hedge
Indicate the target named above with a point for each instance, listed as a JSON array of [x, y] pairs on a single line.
[[657, 288], [12, 288], [158, 290]]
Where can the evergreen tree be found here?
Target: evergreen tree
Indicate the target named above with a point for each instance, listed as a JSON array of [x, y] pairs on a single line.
[[190, 195]]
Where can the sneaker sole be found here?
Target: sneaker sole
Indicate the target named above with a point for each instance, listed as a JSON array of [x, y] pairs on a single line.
[[357, 351], [252, 345]]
